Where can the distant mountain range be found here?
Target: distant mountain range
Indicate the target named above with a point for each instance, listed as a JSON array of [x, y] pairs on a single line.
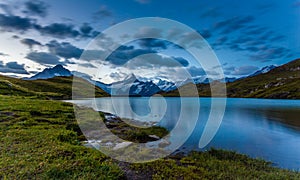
[[282, 82], [133, 86]]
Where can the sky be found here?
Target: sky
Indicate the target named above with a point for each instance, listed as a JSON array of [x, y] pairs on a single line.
[[244, 35]]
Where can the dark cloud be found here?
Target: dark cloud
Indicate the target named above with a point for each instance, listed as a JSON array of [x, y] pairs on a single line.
[[36, 8], [3, 54], [125, 53], [196, 71], [12, 67], [88, 65], [243, 70], [205, 33], [150, 43], [30, 42], [228, 70], [117, 75], [181, 61], [269, 53], [6, 8], [43, 57], [64, 49], [255, 30], [17, 23], [86, 29], [15, 37], [58, 30], [148, 31], [149, 61], [233, 24]]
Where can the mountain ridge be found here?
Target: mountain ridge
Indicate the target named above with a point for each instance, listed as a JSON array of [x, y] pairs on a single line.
[[282, 82], [249, 86]]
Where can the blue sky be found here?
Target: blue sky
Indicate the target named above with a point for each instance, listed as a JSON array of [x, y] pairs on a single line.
[[245, 35]]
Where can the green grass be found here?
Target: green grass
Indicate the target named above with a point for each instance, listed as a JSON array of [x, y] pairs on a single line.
[[213, 164], [40, 139], [35, 143], [53, 88]]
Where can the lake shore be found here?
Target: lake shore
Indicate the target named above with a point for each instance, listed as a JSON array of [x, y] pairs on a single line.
[[39, 139]]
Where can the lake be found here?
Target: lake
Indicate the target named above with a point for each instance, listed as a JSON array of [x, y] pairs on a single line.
[[263, 128]]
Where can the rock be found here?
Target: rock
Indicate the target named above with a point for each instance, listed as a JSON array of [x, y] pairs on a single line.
[[122, 145], [154, 137], [164, 144]]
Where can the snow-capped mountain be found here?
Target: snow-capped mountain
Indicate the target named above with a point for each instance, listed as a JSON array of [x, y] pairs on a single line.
[[47, 73], [166, 85], [263, 70], [133, 87]]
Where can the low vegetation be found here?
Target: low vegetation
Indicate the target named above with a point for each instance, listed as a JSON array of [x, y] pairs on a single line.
[[53, 88], [39, 139]]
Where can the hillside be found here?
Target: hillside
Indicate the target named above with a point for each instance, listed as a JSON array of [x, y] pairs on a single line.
[[282, 82], [53, 88]]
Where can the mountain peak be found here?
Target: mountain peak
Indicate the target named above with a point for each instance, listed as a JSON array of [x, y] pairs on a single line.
[[47, 73], [263, 70], [130, 77], [58, 67]]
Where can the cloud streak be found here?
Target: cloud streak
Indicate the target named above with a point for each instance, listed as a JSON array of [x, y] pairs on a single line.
[[12, 67]]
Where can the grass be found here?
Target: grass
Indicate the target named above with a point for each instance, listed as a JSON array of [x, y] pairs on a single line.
[[39, 139], [53, 88], [35, 143], [212, 164]]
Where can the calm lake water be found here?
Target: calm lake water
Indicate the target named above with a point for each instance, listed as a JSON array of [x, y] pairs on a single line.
[[268, 129]]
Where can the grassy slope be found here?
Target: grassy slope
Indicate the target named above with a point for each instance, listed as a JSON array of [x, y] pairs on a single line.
[[54, 88], [281, 82], [38, 140], [35, 143]]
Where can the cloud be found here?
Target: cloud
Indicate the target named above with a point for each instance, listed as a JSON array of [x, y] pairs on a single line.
[[6, 8], [86, 29], [156, 61], [233, 24], [11, 23], [58, 30], [117, 76], [124, 53], [205, 33], [43, 57], [269, 53], [3, 54], [196, 71], [64, 49], [148, 31], [30, 42], [92, 55], [150, 43], [243, 70], [37, 8], [12, 67]]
